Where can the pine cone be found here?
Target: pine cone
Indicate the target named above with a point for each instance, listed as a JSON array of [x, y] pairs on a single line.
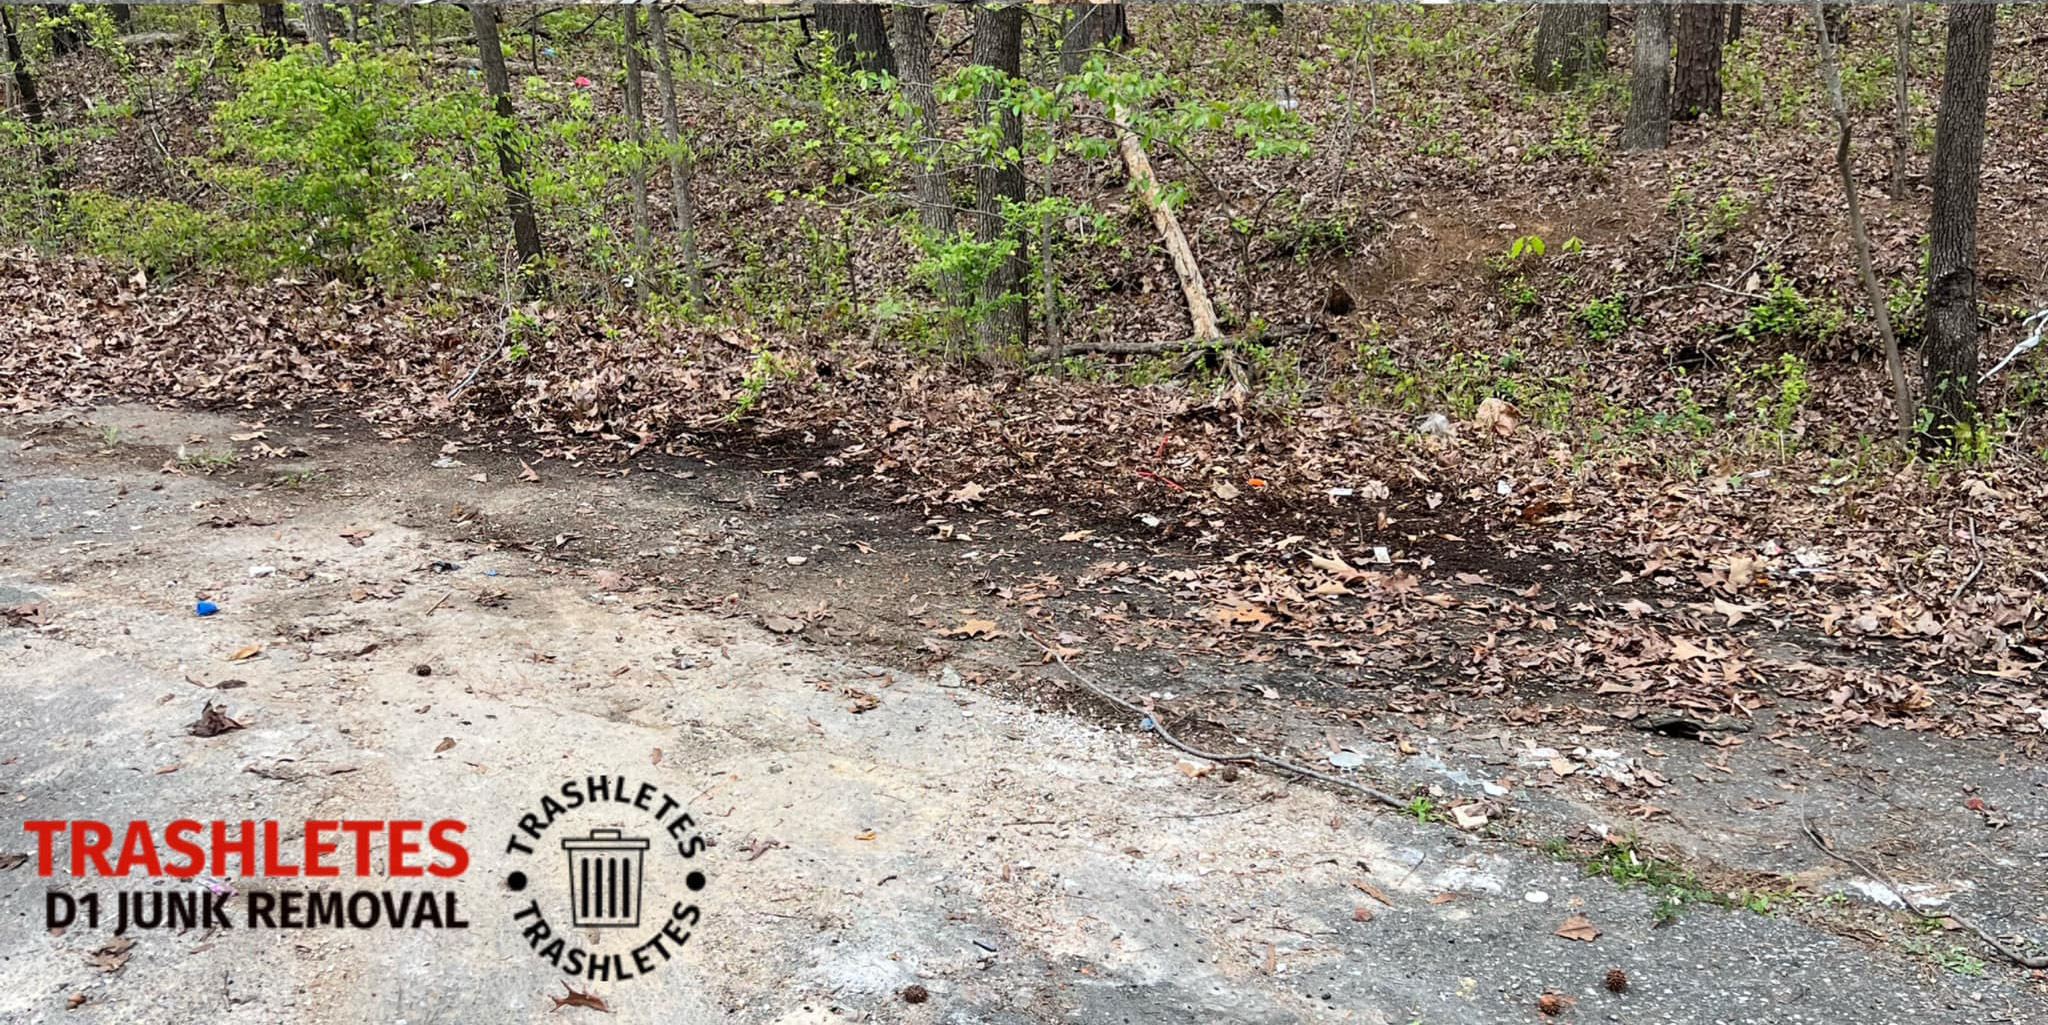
[[1617, 981]]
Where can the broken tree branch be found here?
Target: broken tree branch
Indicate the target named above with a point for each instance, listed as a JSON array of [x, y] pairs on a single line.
[[1150, 721], [1200, 310], [2005, 950]]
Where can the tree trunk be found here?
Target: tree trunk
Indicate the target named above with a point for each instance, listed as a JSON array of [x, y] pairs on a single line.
[[934, 195], [1838, 24], [1950, 351], [1649, 111], [124, 17], [1570, 42], [518, 196], [1266, 14], [316, 26], [31, 101], [999, 178], [64, 34], [681, 166], [636, 160], [1832, 76], [270, 19], [858, 36], [1089, 28], [1735, 21], [1902, 116], [1696, 86]]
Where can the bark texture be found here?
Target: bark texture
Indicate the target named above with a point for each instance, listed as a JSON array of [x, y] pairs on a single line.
[[1089, 28], [1696, 85], [999, 43], [681, 168], [858, 36], [1949, 370], [518, 195], [1571, 41], [1648, 126]]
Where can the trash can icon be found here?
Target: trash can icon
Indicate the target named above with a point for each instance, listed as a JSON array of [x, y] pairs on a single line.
[[604, 879]]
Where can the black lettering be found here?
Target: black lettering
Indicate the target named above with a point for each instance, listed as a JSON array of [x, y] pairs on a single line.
[[668, 804], [262, 908], [217, 911], [291, 909], [643, 795], [323, 908], [394, 914], [553, 953], [362, 909], [453, 914], [58, 910], [182, 912], [599, 788]]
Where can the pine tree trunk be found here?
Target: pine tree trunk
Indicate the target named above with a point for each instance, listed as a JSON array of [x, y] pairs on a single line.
[[681, 167], [858, 35], [1091, 27], [636, 161], [518, 195], [1949, 373], [1570, 42], [31, 101], [999, 44], [1649, 111], [1696, 85], [1735, 21]]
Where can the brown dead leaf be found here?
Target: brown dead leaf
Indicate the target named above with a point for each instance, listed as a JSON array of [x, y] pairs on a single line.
[[112, 957], [1498, 415], [213, 721], [1579, 928], [527, 474], [576, 999], [445, 744], [972, 628], [246, 653], [1371, 891]]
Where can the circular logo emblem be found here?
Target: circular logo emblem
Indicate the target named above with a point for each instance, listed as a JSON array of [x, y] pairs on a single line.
[[604, 877]]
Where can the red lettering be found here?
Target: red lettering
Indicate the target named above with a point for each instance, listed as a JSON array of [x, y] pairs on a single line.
[[362, 832], [46, 844], [138, 848], [195, 856], [271, 865], [245, 848], [89, 842], [402, 844], [438, 836], [317, 848]]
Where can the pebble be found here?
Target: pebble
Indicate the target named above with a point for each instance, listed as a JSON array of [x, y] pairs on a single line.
[[1536, 897], [262, 571]]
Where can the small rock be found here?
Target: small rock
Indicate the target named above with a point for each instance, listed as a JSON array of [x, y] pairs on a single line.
[[1536, 897], [1346, 759], [423, 669], [262, 571], [797, 560]]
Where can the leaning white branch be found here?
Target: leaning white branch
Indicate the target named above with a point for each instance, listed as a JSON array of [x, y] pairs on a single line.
[[2035, 325]]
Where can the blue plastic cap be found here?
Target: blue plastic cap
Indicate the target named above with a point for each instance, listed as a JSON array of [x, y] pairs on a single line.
[[205, 608]]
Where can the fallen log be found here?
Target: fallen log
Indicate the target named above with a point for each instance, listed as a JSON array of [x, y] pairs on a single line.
[[1200, 310]]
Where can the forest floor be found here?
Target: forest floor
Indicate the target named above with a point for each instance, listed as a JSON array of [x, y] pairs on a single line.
[[901, 788]]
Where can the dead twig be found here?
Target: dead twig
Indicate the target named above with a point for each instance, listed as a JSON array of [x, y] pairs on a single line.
[[1813, 833], [1151, 722]]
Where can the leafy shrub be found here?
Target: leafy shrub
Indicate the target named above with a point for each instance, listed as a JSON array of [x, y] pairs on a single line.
[[347, 166]]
